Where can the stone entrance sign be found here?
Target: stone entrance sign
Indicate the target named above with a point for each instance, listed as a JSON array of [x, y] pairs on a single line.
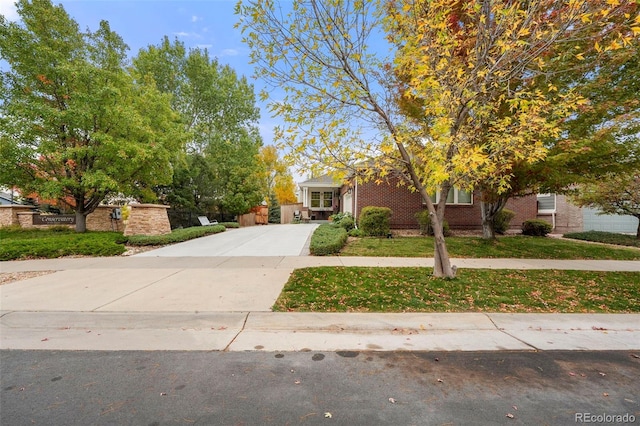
[[50, 219]]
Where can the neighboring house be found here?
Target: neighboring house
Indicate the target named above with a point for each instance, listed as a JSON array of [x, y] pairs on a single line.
[[6, 198], [323, 196], [320, 197], [567, 217]]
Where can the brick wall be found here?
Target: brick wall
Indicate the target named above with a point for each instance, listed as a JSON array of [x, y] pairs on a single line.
[[568, 218], [525, 208], [405, 204], [148, 219]]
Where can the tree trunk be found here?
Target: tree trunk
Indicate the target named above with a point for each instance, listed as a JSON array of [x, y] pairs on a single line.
[[489, 211], [81, 221], [488, 228], [638, 231]]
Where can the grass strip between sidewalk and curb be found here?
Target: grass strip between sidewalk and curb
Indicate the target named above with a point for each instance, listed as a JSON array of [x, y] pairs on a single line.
[[376, 289], [515, 247]]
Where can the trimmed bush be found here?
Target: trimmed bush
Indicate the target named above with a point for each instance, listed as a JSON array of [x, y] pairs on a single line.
[[327, 239], [502, 220], [605, 237], [536, 227], [230, 224], [355, 232], [375, 221], [344, 220], [424, 220], [176, 236]]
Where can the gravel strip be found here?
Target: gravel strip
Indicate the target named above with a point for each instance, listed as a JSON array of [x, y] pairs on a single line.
[[9, 277]]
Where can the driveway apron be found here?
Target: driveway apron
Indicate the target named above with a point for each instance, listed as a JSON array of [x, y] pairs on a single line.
[[270, 240]]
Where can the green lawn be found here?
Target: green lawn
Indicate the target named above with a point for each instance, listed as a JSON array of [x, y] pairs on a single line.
[[521, 247], [360, 289]]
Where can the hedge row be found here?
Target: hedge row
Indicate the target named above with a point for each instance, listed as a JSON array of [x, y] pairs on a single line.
[[327, 239], [176, 236]]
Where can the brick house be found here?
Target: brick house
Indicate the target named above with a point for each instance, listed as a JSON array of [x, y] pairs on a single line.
[[323, 196]]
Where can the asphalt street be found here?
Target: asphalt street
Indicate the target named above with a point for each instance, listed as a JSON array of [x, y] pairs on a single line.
[[317, 388]]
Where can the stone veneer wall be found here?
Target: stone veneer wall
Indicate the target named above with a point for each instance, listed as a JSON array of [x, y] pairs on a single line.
[[9, 214], [148, 219], [99, 220]]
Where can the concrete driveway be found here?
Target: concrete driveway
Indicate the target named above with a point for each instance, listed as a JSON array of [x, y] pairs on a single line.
[[269, 240]]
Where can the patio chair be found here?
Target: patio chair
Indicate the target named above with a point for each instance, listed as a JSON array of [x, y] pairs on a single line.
[[296, 215], [305, 216], [204, 221]]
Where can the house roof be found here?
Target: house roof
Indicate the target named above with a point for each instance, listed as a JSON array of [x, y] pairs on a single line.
[[5, 198], [321, 181]]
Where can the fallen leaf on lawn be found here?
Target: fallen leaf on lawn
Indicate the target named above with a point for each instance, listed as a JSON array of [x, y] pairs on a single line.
[[45, 339], [163, 394], [635, 356], [572, 373], [440, 381], [514, 407], [602, 374], [391, 400], [605, 394], [511, 416], [297, 382], [436, 359], [327, 415]]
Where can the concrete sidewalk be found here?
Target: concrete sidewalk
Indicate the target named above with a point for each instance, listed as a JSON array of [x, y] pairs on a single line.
[[223, 303]]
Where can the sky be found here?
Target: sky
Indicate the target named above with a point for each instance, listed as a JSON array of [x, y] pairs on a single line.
[[201, 23]]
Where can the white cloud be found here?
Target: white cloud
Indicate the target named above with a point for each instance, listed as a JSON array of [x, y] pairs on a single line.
[[8, 10], [182, 34], [229, 52], [195, 18]]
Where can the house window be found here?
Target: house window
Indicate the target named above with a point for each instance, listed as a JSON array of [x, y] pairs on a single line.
[[546, 203], [455, 196], [321, 200]]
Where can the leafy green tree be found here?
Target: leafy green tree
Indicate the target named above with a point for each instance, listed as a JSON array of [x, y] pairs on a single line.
[[76, 125], [220, 167]]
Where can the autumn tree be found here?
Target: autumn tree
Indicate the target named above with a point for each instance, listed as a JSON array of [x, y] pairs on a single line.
[[456, 105], [614, 194], [600, 138], [75, 123], [479, 76], [277, 178], [220, 167]]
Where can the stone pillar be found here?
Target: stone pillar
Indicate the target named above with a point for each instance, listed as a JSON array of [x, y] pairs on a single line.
[[148, 219], [9, 213], [100, 220]]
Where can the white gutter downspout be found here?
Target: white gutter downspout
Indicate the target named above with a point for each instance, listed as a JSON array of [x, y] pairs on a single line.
[[355, 201]]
